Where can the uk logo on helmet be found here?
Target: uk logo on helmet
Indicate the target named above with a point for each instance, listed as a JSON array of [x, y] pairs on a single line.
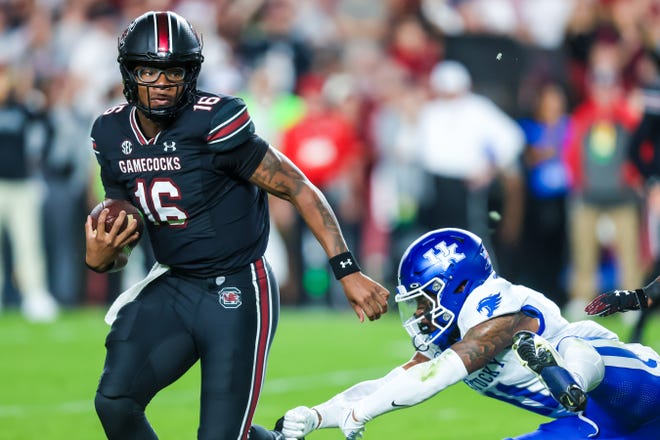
[[230, 298], [445, 255]]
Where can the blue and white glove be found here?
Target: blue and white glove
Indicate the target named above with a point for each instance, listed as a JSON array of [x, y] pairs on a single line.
[[352, 428], [300, 421]]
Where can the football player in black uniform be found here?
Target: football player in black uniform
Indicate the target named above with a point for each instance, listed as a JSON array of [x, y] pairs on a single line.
[[192, 163]]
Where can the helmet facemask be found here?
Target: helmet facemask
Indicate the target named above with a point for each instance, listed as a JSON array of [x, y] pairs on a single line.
[[422, 315], [185, 90]]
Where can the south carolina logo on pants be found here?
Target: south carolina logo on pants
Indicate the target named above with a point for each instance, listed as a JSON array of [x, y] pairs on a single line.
[[230, 298]]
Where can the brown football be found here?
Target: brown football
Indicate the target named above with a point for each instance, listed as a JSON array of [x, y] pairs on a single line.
[[115, 207]]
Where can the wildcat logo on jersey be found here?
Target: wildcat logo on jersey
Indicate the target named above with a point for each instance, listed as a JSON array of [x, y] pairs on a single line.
[[445, 255], [490, 304], [230, 298], [126, 147]]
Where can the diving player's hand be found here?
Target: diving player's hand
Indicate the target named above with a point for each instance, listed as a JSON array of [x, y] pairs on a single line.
[[365, 295], [353, 429], [617, 301], [299, 422]]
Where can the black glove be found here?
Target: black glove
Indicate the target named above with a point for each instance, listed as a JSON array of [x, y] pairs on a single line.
[[617, 301]]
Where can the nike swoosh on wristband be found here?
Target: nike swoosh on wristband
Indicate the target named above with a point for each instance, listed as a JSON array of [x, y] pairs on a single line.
[[396, 405]]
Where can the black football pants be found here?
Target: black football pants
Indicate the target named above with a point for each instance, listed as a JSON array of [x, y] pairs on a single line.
[[228, 324]]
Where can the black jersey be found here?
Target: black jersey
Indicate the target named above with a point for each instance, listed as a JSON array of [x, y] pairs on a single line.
[[191, 182]]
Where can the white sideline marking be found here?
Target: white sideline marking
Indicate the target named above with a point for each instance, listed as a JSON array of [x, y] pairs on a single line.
[[176, 398]]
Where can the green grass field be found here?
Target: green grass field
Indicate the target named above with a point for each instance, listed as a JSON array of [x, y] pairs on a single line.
[[48, 375]]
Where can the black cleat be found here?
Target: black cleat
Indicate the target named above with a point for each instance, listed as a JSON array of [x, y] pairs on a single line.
[[534, 357], [542, 359], [573, 398]]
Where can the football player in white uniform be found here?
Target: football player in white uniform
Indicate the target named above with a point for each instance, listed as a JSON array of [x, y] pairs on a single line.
[[505, 341]]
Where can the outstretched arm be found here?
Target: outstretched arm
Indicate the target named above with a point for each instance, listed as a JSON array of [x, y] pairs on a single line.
[[411, 384], [424, 380], [624, 300], [280, 177], [300, 421]]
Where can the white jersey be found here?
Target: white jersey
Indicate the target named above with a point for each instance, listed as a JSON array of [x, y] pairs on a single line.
[[621, 404], [504, 378]]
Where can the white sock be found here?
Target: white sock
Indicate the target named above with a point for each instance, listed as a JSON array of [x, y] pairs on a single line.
[[583, 362]]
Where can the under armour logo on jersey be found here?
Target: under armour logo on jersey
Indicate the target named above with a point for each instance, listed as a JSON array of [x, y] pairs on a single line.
[[345, 263], [127, 147], [230, 298], [169, 146], [490, 304], [444, 255]]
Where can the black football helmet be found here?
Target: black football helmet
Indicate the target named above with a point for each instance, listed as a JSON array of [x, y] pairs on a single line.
[[160, 39]]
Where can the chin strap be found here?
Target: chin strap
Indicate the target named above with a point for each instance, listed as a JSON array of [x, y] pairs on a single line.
[[165, 115]]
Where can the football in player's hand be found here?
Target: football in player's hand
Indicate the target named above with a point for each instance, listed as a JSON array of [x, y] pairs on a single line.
[[115, 207]]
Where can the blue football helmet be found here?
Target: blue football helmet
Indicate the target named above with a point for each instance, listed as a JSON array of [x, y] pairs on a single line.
[[436, 274]]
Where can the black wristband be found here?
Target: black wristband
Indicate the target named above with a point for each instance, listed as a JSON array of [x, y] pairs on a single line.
[[103, 270], [118, 264], [344, 264], [642, 299]]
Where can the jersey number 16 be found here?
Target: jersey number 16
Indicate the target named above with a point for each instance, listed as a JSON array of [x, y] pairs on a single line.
[[153, 206]]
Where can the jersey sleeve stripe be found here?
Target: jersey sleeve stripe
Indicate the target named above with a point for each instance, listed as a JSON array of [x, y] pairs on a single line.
[[231, 127]]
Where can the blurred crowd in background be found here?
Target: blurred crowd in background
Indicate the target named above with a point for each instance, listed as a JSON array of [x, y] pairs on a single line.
[[533, 123]]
